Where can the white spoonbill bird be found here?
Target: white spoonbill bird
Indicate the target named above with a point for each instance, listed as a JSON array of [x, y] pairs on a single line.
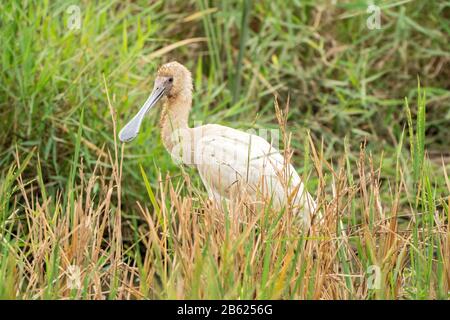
[[230, 162]]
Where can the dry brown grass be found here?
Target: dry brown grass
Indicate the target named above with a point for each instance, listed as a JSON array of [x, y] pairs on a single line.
[[181, 246]]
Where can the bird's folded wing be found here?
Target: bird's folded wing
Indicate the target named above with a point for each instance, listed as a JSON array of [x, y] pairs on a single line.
[[225, 157]]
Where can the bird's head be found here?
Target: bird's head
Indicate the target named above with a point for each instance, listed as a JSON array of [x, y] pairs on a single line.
[[173, 80]]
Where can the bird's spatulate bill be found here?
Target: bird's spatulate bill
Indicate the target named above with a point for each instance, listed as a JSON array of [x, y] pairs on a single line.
[[131, 130]]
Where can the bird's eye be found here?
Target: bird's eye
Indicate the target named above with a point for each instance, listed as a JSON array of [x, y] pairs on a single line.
[[170, 79]]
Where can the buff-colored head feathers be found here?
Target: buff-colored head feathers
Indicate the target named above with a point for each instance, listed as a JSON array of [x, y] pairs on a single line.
[[181, 78], [173, 81]]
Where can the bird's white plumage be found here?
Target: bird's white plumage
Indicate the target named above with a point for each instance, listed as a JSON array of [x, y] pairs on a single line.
[[231, 161]]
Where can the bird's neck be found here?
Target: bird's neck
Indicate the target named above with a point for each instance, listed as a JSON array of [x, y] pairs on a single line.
[[175, 116]]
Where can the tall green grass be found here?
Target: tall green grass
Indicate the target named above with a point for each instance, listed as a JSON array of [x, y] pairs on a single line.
[[347, 87]]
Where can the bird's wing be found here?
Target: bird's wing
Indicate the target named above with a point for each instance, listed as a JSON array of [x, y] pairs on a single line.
[[226, 157]]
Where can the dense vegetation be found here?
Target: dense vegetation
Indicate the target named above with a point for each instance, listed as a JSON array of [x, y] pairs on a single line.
[[369, 119]]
